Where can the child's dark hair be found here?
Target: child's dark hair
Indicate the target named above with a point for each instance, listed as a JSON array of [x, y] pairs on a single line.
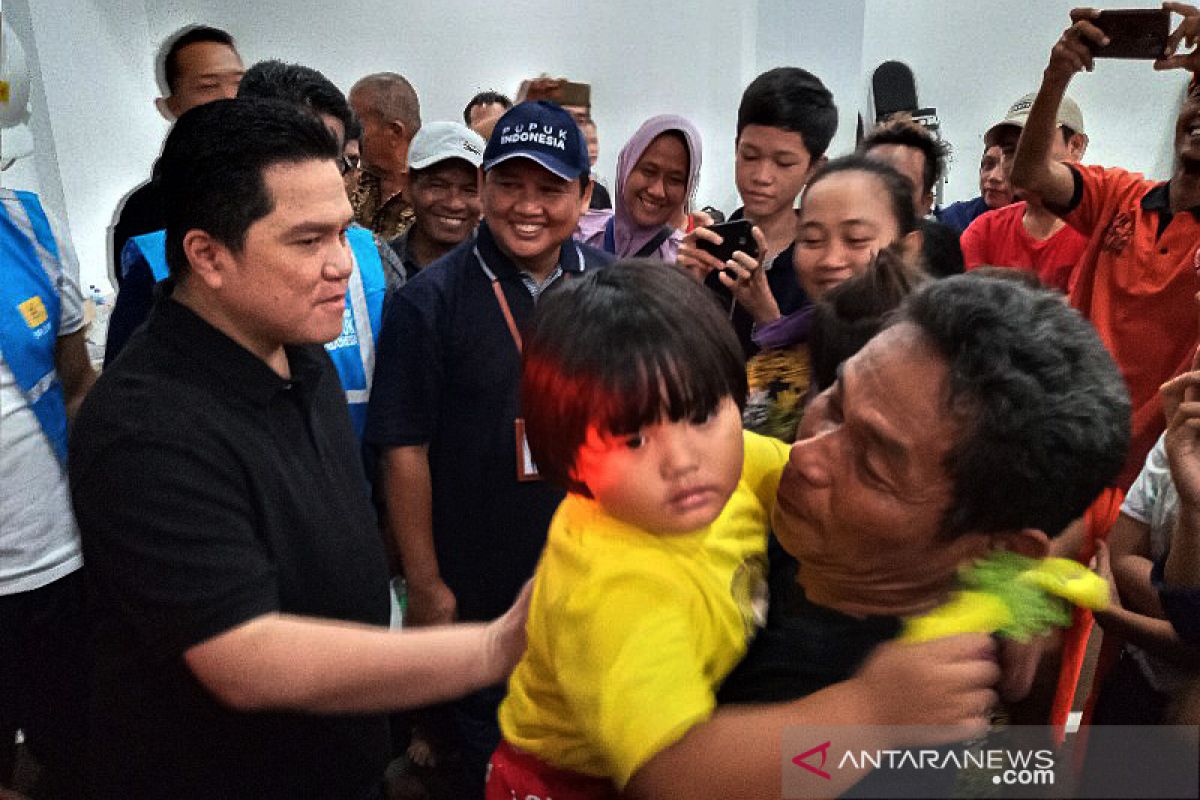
[[792, 99], [621, 348], [852, 312], [896, 185]]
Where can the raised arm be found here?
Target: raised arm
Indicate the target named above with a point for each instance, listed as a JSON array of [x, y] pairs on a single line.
[[1034, 170]]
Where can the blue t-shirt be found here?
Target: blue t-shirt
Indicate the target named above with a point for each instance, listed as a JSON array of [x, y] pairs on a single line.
[[447, 375], [961, 214]]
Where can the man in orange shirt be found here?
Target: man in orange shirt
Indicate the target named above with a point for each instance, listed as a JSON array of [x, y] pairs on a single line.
[[1136, 280]]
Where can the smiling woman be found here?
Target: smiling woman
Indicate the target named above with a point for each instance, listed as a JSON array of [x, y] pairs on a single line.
[[657, 173]]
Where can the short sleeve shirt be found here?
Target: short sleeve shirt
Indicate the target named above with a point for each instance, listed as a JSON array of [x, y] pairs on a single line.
[[447, 375], [631, 631], [1136, 282], [39, 542], [999, 239], [230, 494]]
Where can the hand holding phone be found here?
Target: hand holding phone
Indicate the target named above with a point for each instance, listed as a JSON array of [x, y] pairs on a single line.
[[1140, 33], [736, 235]]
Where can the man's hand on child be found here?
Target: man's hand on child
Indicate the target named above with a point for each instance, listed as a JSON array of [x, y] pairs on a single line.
[[948, 683], [506, 636]]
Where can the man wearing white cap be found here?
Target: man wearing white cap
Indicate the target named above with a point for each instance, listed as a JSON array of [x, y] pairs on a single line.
[[443, 182], [1026, 235]]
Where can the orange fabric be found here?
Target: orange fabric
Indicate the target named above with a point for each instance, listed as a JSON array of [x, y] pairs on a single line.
[[999, 239], [1137, 290], [1098, 520]]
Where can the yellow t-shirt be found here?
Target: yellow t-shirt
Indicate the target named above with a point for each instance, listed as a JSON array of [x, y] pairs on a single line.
[[630, 632]]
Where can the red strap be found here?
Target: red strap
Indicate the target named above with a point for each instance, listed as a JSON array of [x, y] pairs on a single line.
[[508, 317]]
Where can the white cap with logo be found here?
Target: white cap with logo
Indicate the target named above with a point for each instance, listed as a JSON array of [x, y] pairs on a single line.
[[1068, 116], [438, 141]]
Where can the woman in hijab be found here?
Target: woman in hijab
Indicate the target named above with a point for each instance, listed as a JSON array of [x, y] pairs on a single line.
[[657, 172]]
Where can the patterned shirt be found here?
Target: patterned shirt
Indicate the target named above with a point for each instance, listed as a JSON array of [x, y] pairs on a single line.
[[388, 217]]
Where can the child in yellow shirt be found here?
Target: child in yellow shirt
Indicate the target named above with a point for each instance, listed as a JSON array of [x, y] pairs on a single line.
[[652, 581]]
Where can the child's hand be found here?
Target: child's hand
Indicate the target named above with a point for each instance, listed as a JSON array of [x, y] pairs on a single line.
[[746, 280], [948, 683]]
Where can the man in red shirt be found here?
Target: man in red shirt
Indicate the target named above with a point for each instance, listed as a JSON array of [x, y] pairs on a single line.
[[1026, 235], [1136, 280]]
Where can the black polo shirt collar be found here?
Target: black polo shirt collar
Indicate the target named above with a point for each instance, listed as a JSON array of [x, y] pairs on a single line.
[[1159, 199], [569, 257], [242, 372]]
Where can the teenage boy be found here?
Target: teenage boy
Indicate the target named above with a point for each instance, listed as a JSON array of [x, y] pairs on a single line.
[[785, 123], [1136, 280], [465, 508]]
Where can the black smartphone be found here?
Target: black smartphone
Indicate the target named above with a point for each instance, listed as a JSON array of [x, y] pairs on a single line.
[[734, 235], [1134, 33]]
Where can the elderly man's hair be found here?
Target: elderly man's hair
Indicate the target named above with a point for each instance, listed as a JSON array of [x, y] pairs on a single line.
[[391, 98], [1043, 409]]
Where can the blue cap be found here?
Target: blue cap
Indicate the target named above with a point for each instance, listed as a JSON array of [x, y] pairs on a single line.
[[541, 131]]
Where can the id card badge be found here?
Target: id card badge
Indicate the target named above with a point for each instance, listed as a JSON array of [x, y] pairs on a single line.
[[527, 470]]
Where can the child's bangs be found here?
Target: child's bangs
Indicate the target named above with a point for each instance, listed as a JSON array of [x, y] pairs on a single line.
[[650, 386]]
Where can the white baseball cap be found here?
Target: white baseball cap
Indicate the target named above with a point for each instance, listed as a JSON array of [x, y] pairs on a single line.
[[438, 141]]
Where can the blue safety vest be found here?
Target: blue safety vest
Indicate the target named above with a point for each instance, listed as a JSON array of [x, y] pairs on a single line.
[[353, 351], [30, 310]]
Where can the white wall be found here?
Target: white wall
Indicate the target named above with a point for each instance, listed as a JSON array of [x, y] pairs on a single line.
[[973, 59], [98, 132], [95, 87], [827, 40], [643, 58]]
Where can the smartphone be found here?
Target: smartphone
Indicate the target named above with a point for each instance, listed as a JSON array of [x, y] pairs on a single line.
[[735, 235], [1134, 33]]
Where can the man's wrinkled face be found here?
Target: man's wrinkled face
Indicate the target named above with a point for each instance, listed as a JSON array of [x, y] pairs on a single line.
[[867, 485], [445, 199]]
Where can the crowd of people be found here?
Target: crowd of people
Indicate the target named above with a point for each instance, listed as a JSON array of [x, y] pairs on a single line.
[[422, 464]]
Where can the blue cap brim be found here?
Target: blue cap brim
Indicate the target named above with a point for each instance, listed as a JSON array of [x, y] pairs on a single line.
[[555, 165]]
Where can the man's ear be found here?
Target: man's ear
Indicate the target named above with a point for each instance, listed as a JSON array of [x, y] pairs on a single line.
[[1028, 542], [208, 259], [166, 107], [585, 197], [911, 243], [1077, 146], [401, 137], [814, 166]]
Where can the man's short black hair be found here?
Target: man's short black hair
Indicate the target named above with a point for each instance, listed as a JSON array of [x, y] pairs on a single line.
[[792, 99], [192, 34], [212, 165], [897, 186], [851, 313], [621, 348], [297, 85], [1045, 413], [907, 133], [485, 99]]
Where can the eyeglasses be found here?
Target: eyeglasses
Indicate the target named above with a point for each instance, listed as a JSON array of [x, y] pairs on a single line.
[[348, 163]]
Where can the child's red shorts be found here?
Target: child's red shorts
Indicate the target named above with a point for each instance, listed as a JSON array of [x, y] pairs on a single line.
[[515, 775]]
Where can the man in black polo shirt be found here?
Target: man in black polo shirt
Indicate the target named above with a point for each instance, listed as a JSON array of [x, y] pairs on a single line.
[[239, 580], [445, 406]]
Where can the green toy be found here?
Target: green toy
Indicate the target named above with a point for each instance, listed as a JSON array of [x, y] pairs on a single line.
[[1014, 596]]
